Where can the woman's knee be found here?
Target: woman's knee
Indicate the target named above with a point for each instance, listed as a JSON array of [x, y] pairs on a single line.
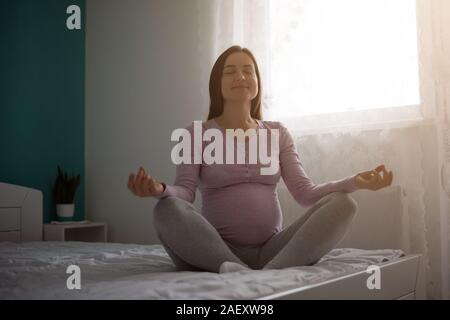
[[170, 210], [344, 202], [165, 209]]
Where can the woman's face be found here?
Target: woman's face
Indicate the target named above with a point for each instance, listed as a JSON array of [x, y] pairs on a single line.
[[239, 79]]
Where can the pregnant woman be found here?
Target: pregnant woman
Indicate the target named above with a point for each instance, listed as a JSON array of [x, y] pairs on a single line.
[[240, 223]]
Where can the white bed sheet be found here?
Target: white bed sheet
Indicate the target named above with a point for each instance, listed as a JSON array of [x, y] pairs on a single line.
[[37, 270]]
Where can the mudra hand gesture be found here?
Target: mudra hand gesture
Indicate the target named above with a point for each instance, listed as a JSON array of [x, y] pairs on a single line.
[[143, 185], [373, 180]]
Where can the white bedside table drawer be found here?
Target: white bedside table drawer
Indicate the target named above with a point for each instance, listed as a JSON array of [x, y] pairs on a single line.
[[9, 219]]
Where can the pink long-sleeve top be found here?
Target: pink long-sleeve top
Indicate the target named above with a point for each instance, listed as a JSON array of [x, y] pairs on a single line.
[[240, 202]]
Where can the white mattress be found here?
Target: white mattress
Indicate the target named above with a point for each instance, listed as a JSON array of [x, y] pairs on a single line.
[[37, 270]]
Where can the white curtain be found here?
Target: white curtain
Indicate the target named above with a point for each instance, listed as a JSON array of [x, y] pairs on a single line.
[[418, 151]]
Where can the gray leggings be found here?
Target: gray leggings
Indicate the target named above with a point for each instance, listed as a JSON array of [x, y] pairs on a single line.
[[194, 244]]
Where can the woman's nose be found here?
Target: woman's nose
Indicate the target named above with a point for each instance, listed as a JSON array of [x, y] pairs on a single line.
[[240, 75]]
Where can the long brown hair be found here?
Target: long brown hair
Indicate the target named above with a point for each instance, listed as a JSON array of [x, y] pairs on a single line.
[[215, 85]]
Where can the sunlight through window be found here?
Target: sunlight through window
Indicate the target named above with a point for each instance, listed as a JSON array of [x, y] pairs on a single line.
[[331, 56]]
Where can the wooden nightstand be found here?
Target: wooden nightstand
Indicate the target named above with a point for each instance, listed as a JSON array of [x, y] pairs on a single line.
[[87, 232]]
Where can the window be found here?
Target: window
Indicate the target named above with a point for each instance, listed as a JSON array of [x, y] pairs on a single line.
[[329, 56]]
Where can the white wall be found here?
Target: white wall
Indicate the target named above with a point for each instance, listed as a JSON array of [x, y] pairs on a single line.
[[143, 79]]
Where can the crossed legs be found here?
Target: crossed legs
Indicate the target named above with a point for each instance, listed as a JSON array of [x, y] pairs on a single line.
[[194, 244]]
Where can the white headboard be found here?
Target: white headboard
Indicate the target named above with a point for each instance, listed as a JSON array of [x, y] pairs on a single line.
[[378, 223], [20, 213]]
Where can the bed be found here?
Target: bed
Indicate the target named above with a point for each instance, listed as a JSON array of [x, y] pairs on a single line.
[[39, 270]]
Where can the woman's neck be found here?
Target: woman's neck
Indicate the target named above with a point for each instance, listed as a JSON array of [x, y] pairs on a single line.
[[236, 116]]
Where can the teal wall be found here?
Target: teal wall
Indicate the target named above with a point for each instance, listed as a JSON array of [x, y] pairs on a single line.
[[41, 96]]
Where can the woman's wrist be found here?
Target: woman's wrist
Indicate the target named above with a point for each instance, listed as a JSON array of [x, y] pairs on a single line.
[[159, 190], [357, 181]]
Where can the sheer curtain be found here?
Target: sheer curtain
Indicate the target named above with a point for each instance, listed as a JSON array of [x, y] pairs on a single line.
[[434, 48], [412, 142]]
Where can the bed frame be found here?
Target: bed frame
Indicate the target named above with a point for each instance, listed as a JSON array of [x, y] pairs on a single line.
[[402, 279]]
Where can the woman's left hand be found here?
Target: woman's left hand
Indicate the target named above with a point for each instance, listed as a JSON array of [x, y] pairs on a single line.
[[372, 180]]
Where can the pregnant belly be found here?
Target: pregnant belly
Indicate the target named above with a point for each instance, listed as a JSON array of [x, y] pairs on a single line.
[[244, 214]]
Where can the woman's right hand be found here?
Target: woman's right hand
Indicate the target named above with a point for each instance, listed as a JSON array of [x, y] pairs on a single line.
[[143, 185]]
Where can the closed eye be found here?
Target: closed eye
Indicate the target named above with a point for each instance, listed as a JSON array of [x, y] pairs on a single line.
[[245, 71]]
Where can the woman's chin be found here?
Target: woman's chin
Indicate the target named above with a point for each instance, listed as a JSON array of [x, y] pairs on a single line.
[[240, 97]]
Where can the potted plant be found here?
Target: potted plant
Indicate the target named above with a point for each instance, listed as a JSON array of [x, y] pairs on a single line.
[[64, 193]]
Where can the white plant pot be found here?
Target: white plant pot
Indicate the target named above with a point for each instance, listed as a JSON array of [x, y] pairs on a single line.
[[65, 210]]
